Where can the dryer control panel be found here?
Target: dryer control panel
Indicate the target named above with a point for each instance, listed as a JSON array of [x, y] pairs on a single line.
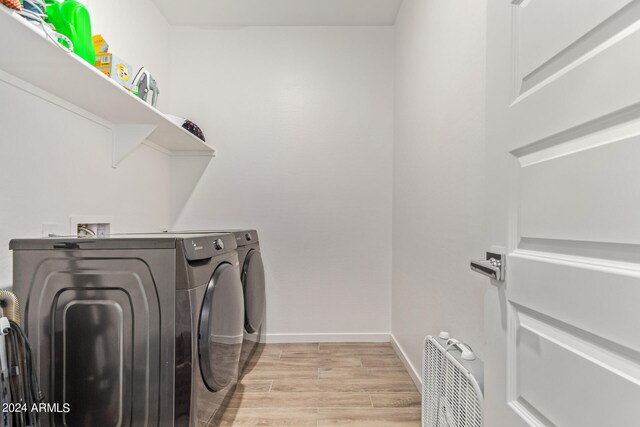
[[205, 247]]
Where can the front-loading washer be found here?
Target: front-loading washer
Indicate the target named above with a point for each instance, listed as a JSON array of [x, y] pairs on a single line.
[[133, 330]]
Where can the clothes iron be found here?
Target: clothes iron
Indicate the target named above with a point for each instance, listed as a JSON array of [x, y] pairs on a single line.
[[145, 83]]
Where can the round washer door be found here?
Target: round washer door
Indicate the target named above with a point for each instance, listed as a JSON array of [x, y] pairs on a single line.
[[220, 331], [254, 292]]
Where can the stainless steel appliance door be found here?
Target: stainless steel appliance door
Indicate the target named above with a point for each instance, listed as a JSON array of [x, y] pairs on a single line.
[[253, 283], [220, 330]]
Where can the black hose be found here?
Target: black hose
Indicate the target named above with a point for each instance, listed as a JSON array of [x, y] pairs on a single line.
[[12, 389], [26, 383], [32, 389], [24, 390], [35, 386], [16, 379]]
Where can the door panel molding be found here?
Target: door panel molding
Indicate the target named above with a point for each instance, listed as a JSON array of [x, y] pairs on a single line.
[[534, 340], [588, 73], [612, 30], [628, 254], [613, 127], [577, 290], [578, 191]]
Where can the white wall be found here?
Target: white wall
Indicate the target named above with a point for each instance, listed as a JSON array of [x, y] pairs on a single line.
[[438, 209], [56, 164], [303, 122]]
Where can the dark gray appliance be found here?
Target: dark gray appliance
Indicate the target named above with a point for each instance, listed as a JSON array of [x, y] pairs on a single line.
[[253, 284], [135, 330]]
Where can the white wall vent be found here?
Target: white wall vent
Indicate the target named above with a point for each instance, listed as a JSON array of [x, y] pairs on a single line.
[[452, 380]]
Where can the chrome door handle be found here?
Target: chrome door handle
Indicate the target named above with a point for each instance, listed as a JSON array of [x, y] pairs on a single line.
[[493, 267]]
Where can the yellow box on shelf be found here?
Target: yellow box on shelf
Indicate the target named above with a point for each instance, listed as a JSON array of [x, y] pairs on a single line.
[[112, 65], [116, 68]]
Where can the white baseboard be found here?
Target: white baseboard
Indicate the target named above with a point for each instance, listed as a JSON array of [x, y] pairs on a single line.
[[310, 338], [413, 373]]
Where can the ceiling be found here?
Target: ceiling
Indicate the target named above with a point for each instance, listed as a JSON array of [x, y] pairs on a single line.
[[279, 12]]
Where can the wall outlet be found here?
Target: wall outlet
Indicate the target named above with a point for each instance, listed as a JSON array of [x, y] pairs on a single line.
[[90, 226]]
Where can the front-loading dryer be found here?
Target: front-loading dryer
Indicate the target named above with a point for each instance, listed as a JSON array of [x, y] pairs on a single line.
[[133, 330], [209, 328], [253, 285]]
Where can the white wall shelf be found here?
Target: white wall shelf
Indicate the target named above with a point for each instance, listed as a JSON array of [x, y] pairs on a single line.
[[38, 65]]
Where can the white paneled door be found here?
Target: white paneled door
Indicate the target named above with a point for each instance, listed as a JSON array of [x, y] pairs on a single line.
[[563, 137]]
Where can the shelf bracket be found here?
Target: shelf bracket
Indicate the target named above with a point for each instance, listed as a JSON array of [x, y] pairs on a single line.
[[126, 138]]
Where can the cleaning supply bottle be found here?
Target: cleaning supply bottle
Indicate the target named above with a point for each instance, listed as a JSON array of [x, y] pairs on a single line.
[[72, 19]]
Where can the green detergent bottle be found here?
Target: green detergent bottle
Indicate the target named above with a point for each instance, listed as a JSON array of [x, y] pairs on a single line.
[[72, 19]]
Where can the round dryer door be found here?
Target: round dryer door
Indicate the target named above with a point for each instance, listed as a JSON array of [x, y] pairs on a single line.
[[220, 333], [254, 293]]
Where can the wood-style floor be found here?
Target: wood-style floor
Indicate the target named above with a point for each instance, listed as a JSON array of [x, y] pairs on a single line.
[[324, 385]]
